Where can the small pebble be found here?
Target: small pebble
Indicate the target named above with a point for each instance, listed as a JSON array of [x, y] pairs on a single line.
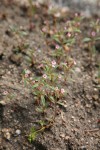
[[62, 135], [83, 148], [77, 69], [18, 132], [3, 103], [7, 135]]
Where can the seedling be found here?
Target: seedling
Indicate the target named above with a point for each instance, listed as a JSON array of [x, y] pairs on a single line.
[[93, 38], [31, 57], [34, 132]]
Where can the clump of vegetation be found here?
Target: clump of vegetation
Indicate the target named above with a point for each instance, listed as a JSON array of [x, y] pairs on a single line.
[[46, 92], [47, 89], [93, 37]]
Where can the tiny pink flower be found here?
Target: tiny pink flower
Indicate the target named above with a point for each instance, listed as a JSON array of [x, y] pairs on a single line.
[[33, 82], [76, 14], [44, 76], [59, 76], [78, 23], [57, 46], [69, 34], [44, 29], [93, 33], [53, 63], [40, 66], [5, 92], [62, 91], [26, 75], [65, 28], [98, 20]]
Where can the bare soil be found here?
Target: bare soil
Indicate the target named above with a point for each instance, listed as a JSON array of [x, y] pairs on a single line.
[[77, 124]]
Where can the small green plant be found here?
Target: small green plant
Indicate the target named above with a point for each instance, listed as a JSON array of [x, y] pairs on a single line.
[[46, 93], [67, 66], [47, 89], [32, 8], [93, 37], [19, 34], [31, 57], [34, 132]]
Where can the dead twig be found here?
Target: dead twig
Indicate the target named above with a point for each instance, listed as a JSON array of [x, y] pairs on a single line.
[[92, 130]]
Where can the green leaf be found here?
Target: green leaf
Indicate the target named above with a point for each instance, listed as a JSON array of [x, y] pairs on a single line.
[[70, 41], [25, 82], [62, 104], [98, 86], [50, 87], [28, 59], [42, 123], [33, 130], [23, 72], [35, 93], [56, 38], [52, 99], [43, 101], [23, 33], [32, 135], [98, 38], [86, 39], [39, 110], [93, 49], [46, 68], [77, 30], [34, 86]]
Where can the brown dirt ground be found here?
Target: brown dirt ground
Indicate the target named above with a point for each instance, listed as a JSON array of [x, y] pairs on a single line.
[[76, 126]]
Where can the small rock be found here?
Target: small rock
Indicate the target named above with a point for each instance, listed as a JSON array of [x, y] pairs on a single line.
[[18, 132], [62, 73], [2, 72], [77, 69], [89, 121], [57, 15], [64, 10], [62, 135], [88, 106], [16, 58], [95, 97], [96, 103], [2, 103], [39, 50], [67, 137], [83, 148], [7, 135]]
